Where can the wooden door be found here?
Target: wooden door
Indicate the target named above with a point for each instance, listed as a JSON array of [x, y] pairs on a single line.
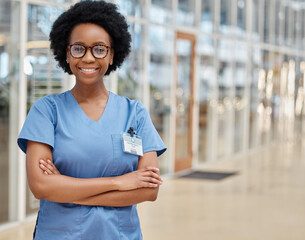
[[185, 54]]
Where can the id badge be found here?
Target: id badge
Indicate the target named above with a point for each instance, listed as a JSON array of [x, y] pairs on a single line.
[[132, 145]]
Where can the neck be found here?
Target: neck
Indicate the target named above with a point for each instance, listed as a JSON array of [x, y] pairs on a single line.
[[88, 93]]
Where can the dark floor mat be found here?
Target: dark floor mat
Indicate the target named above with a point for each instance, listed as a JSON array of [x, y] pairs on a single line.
[[209, 175]]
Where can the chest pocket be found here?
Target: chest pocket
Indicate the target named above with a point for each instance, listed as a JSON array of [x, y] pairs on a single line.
[[122, 162]]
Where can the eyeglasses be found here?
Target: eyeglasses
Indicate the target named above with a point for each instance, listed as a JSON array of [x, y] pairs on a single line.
[[98, 51]]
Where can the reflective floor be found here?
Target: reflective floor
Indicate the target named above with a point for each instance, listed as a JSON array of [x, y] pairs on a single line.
[[265, 201]]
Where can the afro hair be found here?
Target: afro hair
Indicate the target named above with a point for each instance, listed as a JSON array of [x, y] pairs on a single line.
[[100, 13]]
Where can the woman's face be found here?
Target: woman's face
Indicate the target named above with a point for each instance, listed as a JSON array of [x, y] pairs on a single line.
[[88, 69]]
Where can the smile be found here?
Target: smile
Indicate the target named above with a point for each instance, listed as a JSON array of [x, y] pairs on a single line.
[[88, 69]]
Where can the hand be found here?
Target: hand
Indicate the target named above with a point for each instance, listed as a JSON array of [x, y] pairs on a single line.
[[48, 167], [147, 177]]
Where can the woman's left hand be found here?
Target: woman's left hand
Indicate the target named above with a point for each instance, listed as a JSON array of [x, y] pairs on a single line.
[[48, 167]]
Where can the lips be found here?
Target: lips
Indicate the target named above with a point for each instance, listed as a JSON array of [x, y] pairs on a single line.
[[88, 70]]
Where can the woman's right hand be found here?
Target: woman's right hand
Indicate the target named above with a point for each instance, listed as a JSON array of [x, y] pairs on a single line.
[[147, 177]]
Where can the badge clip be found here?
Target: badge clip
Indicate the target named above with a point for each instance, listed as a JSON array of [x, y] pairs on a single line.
[[131, 131], [132, 143]]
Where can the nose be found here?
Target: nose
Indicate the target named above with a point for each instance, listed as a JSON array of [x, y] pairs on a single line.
[[88, 57]]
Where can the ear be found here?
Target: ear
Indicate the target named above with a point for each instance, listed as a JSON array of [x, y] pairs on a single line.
[[67, 56], [111, 56]]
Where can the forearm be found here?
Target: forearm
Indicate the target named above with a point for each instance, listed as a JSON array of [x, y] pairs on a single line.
[[46, 182], [121, 198], [60, 188], [56, 187]]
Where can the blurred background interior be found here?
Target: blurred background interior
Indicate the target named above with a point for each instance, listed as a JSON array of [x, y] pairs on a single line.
[[222, 79]]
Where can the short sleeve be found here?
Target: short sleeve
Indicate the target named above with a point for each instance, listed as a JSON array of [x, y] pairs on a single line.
[[39, 124], [146, 130]]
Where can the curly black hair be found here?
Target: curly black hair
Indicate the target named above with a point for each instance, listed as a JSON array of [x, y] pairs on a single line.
[[100, 13]]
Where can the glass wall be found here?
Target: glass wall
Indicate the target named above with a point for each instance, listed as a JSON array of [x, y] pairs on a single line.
[[279, 20], [299, 97], [161, 11], [160, 84], [255, 17], [207, 16], [207, 83], [275, 99], [302, 34], [225, 16], [131, 7], [186, 12], [43, 75], [5, 23], [241, 18], [225, 110], [268, 27], [287, 25], [256, 82], [9, 73], [131, 74], [240, 100]]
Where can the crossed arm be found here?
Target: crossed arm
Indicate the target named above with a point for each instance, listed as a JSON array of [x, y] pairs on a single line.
[[46, 182]]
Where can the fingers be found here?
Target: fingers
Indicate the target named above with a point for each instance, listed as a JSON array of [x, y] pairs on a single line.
[[150, 185], [48, 167], [152, 180], [52, 166], [152, 172], [151, 177], [45, 169], [147, 177], [153, 169]]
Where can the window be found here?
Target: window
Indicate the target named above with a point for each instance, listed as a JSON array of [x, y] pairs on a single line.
[[207, 16], [186, 12], [160, 78], [130, 74], [161, 11]]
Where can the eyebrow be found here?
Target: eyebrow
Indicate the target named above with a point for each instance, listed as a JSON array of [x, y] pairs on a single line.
[[95, 43]]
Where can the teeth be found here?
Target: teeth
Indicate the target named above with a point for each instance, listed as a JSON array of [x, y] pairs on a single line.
[[87, 70]]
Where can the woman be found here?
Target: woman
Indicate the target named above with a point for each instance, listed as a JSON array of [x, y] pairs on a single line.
[[78, 157]]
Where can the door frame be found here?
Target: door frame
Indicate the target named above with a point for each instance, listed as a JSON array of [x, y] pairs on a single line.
[[185, 163]]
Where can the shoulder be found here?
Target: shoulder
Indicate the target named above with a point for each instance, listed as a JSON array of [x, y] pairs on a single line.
[[122, 101], [131, 106], [44, 103], [49, 105], [50, 101]]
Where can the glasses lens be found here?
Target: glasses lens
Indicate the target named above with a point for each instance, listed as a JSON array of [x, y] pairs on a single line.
[[77, 51], [99, 51]]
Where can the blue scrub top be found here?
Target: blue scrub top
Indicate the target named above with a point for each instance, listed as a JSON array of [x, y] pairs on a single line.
[[84, 148]]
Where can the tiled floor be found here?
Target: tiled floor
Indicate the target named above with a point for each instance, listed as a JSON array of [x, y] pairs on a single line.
[[265, 201]]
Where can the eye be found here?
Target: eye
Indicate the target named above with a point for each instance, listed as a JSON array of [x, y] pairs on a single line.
[[78, 48], [99, 50]]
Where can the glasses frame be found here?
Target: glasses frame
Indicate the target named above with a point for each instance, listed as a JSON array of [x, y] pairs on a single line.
[[91, 47]]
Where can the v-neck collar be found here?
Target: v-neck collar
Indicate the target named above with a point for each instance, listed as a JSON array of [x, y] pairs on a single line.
[[84, 115]]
